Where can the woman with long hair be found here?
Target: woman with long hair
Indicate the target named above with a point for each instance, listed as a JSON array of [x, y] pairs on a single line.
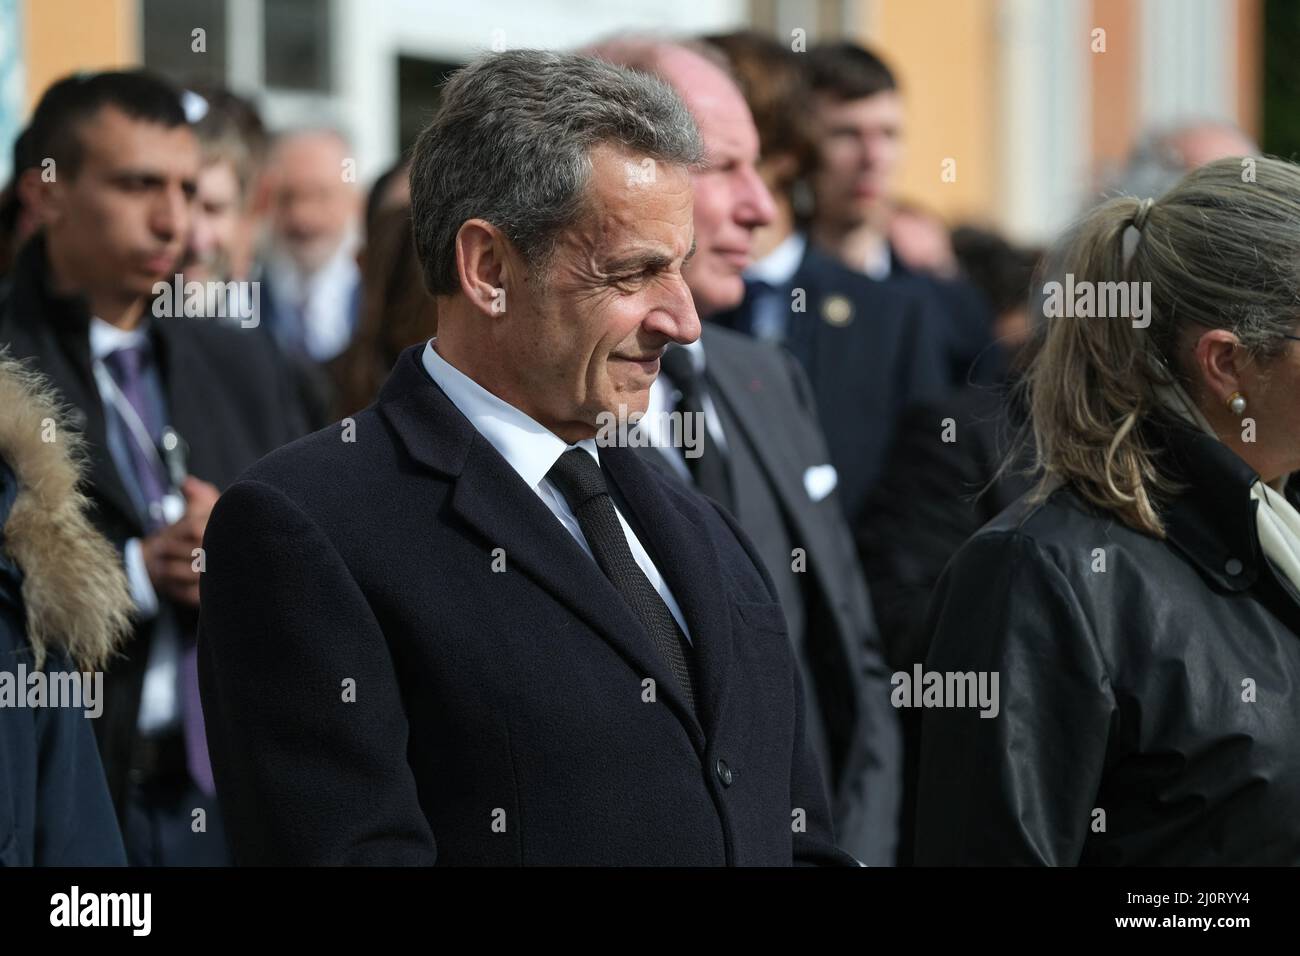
[[1137, 617]]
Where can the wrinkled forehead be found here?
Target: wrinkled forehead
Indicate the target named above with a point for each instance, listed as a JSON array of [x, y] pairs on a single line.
[[631, 193]]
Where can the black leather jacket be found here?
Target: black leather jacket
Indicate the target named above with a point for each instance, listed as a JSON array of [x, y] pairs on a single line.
[[1149, 711]]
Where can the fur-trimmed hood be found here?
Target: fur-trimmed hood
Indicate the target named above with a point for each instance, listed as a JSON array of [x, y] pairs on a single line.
[[74, 588]]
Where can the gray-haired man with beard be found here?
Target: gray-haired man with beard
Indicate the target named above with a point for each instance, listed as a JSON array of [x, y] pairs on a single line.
[[464, 633]]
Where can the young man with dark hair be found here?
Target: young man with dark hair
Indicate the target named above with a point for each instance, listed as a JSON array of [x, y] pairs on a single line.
[[869, 348], [170, 409], [858, 114]]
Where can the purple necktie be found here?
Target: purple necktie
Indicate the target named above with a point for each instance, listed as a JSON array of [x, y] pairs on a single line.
[[127, 366], [196, 741]]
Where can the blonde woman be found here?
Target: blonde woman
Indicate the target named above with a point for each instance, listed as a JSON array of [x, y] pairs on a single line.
[[1141, 609]]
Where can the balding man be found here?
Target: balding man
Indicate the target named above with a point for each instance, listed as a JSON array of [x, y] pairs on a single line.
[[765, 458], [460, 631], [311, 271]]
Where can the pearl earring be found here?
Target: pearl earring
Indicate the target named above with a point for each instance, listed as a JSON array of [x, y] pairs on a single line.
[[1237, 403]]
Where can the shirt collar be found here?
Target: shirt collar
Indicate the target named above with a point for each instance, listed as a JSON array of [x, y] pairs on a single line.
[[106, 338], [529, 447], [778, 267]]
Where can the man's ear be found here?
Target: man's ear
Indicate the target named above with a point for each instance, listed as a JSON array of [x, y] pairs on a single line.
[[482, 265], [1220, 360], [42, 197]]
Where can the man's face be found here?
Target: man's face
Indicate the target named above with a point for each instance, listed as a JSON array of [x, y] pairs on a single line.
[[587, 338], [730, 198], [120, 224], [314, 205], [861, 149], [216, 225]]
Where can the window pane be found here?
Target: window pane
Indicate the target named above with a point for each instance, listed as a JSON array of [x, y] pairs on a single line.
[[171, 46], [297, 34]]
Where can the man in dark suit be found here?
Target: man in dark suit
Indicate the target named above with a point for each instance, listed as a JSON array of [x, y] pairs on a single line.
[[868, 350], [764, 458], [464, 632], [171, 409]]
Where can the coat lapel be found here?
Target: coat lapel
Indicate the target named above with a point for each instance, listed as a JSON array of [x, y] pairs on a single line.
[[491, 497], [745, 397]]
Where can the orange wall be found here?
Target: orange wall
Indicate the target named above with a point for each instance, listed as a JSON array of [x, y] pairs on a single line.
[[1115, 81], [945, 56], [61, 36]]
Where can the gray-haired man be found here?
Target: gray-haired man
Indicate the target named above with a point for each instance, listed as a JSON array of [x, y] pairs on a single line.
[[456, 630]]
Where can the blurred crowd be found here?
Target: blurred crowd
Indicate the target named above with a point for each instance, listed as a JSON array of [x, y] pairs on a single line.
[[905, 337]]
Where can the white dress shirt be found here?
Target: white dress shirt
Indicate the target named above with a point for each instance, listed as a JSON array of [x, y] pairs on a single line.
[[778, 267], [531, 450], [663, 400]]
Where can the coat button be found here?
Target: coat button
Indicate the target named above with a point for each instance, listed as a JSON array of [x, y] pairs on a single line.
[[724, 772], [1233, 567]]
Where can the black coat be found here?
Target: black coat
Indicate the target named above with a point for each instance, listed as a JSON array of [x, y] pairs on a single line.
[[499, 716], [933, 495], [870, 349], [227, 397], [766, 409], [54, 803], [967, 323], [1127, 733]]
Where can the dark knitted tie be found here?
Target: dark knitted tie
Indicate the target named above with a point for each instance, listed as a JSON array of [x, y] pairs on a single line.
[[710, 469], [577, 476]]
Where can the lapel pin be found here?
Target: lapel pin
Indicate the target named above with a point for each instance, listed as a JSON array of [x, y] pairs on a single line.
[[837, 310]]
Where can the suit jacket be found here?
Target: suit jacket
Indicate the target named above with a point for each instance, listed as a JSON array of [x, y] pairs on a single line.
[[966, 318], [767, 410], [405, 658], [932, 497], [312, 385], [226, 397], [870, 349]]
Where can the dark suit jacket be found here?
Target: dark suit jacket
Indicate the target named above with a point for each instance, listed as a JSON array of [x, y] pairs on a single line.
[[500, 712], [773, 438], [227, 398], [870, 349], [313, 385], [933, 496], [967, 322]]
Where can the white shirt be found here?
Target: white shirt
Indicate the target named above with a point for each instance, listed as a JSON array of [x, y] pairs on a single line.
[[778, 267], [879, 263], [663, 400], [531, 450]]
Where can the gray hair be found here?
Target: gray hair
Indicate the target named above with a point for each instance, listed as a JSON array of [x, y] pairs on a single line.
[[1221, 250], [511, 142]]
